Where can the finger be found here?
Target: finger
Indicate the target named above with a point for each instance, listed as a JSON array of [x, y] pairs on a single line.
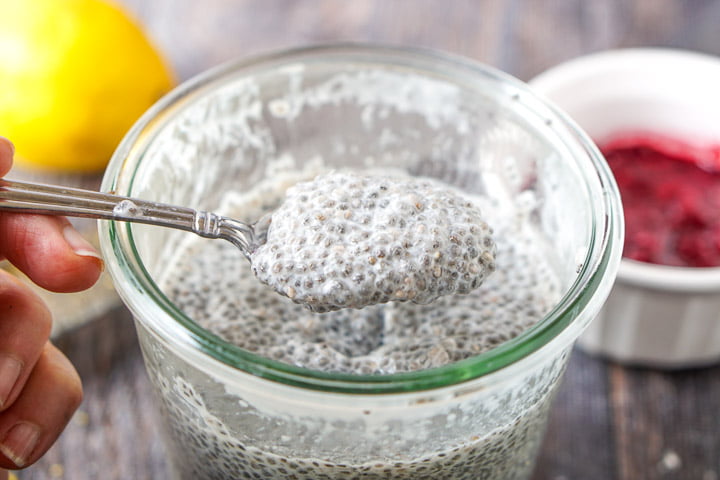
[[7, 150], [25, 324], [49, 251], [36, 419]]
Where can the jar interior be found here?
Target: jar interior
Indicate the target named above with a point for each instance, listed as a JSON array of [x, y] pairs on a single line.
[[477, 132], [361, 116]]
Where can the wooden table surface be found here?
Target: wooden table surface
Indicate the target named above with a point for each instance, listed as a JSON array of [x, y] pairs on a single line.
[[609, 422]]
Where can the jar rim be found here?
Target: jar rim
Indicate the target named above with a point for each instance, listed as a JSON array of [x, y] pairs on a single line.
[[136, 286]]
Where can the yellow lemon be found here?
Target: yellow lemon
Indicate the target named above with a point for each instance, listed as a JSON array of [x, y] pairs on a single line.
[[74, 76]]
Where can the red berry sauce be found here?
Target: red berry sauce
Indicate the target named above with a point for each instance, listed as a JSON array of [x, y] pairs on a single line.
[[671, 197]]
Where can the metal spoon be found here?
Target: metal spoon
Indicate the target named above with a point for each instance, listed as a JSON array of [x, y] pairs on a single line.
[[75, 202]]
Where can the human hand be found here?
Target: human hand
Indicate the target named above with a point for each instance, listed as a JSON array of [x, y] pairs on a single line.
[[39, 388]]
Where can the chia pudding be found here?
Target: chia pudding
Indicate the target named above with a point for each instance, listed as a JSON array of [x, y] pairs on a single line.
[[216, 287], [345, 240]]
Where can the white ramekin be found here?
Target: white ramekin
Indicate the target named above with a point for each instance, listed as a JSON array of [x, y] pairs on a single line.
[[658, 316]]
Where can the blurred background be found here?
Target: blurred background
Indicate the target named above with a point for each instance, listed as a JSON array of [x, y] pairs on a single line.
[[609, 422], [522, 37]]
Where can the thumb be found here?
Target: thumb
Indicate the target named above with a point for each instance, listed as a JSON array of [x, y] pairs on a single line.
[[7, 151]]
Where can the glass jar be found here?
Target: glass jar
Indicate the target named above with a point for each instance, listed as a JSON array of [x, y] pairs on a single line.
[[233, 414]]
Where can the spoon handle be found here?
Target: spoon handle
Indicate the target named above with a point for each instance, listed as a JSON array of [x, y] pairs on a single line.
[[75, 202]]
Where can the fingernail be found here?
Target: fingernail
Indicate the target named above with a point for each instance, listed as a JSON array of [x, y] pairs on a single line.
[[79, 245], [10, 144], [10, 368], [20, 442]]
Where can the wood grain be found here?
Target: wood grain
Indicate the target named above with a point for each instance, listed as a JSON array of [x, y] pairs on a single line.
[[608, 422]]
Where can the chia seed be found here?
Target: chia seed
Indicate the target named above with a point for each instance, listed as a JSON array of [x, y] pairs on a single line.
[[396, 212], [391, 337]]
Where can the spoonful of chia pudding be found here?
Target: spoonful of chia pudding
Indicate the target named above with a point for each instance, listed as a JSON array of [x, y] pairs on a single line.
[[342, 240]]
